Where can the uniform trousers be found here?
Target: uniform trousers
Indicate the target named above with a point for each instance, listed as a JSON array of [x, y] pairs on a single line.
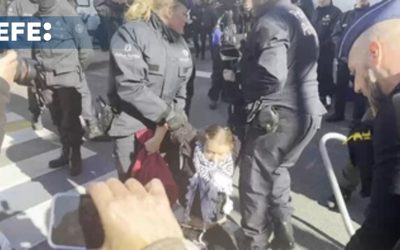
[[264, 184], [65, 109]]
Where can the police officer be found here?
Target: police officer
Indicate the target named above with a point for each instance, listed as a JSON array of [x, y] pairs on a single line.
[[343, 75], [205, 18], [62, 60], [371, 47], [324, 20], [284, 111], [150, 67], [111, 16], [23, 8], [307, 6]]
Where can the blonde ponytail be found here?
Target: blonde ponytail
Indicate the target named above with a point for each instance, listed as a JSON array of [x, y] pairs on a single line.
[[141, 9]]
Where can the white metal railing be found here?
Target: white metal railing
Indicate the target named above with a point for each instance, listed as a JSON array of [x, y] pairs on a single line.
[[333, 180]]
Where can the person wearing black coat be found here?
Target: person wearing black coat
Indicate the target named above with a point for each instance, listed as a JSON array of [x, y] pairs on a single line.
[[307, 6], [343, 76], [205, 18], [324, 20], [280, 89]]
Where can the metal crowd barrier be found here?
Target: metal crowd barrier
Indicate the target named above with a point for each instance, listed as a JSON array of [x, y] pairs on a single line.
[[333, 180]]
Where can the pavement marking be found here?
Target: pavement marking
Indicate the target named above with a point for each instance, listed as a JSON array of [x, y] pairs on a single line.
[[13, 117], [25, 135], [32, 223], [203, 74], [26, 170], [17, 125]]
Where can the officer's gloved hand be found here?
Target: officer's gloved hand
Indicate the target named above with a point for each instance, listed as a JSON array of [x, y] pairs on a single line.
[[176, 119]]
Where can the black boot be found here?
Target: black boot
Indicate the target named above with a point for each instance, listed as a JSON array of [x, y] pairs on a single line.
[[62, 160], [283, 238], [75, 167]]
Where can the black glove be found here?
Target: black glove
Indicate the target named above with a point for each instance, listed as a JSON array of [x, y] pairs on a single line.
[[268, 119]]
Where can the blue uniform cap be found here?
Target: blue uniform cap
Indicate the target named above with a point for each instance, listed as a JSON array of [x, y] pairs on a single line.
[[380, 12]]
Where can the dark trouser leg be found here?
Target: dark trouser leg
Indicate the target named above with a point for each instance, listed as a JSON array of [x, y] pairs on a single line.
[[124, 150], [35, 107], [210, 37], [65, 111], [254, 190], [216, 80], [56, 116], [325, 78], [189, 94], [350, 178], [203, 41], [70, 102], [264, 179], [343, 78], [196, 35], [34, 104]]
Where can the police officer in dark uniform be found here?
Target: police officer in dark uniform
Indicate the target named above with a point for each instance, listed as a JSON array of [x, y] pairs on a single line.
[[62, 60], [371, 47], [307, 6], [284, 111], [324, 20], [111, 16], [343, 75], [150, 67], [205, 18]]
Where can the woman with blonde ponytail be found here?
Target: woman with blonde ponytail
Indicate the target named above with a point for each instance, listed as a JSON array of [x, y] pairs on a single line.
[[151, 65]]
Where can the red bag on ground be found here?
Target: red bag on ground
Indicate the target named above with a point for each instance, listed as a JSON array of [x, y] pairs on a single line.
[[147, 167]]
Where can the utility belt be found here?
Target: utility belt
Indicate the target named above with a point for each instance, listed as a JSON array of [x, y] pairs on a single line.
[[262, 115], [47, 74], [54, 72]]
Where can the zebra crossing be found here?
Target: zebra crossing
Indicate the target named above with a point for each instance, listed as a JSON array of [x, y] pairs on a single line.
[[27, 185]]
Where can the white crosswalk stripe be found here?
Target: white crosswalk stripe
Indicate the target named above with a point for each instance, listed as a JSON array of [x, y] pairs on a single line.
[[31, 168], [27, 185], [25, 135]]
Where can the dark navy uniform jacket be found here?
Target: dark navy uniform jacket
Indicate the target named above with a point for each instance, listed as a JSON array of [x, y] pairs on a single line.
[[386, 141], [279, 64], [345, 22], [150, 68], [324, 21]]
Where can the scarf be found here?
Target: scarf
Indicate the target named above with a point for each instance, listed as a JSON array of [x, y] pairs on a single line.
[[169, 34], [210, 180]]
